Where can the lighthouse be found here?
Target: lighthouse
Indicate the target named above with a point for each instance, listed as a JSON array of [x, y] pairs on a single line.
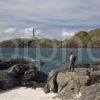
[[33, 32]]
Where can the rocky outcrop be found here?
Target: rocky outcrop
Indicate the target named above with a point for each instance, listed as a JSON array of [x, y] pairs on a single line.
[[21, 75], [34, 78], [67, 84], [51, 83], [8, 80], [91, 92], [19, 69], [71, 85]]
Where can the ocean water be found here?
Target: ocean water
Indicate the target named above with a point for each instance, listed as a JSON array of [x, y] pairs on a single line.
[[54, 58]]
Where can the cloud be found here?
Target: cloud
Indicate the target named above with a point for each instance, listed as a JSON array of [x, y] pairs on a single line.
[[10, 30], [28, 30], [67, 34], [48, 16], [10, 33]]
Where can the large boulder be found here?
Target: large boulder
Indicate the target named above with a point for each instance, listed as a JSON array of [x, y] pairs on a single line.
[[91, 93], [70, 84], [19, 69], [30, 75], [51, 82], [12, 77], [8, 80], [67, 84], [34, 78], [21, 74]]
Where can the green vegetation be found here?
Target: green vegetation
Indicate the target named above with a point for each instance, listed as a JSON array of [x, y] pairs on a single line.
[[81, 39], [29, 43], [84, 39]]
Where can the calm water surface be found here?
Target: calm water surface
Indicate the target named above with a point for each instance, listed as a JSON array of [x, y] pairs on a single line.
[[55, 58]]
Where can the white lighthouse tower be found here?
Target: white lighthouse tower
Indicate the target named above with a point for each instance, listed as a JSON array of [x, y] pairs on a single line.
[[33, 32]]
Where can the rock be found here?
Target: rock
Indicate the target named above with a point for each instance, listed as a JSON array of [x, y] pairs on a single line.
[[41, 77], [67, 84], [91, 93], [31, 84], [95, 67], [34, 76], [6, 63], [51, 83], [30, 75], [83, 71], [12, 77], [8, 80], [46, 88], [70, 83], [95, 76], [22, 74], [82, 65], [19, 69]]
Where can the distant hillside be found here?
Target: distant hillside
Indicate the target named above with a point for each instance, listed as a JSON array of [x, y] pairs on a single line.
[[22, 42], [81, 39], [84, 39]]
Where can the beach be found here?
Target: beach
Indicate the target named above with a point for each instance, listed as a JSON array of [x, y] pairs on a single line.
[[23, 93]]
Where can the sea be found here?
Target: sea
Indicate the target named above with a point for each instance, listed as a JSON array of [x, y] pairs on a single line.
[[54, 58]]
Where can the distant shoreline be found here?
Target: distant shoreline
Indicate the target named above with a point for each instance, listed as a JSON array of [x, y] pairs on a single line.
[[55, 47], [81, 39]]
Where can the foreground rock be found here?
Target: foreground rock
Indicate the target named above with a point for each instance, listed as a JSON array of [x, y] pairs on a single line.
[[91, 93], [21, 75], [34, 78], [8, 80], [67, 84], [71, 85]]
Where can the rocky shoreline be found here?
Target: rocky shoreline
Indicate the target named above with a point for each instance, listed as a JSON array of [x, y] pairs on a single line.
[[83, 81]]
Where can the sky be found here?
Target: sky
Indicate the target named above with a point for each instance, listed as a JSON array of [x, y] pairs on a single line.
[[54, 19]]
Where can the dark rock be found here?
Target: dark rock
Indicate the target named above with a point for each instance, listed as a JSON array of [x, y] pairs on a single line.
[[46, 88], [30, 78], [7, 63], [30, 75], [41, 77], [34, 76], [31, 84], [19, 69], [8, 80], [22, 74]]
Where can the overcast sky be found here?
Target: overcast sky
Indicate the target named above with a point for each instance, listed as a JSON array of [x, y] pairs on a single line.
[[57, 19]]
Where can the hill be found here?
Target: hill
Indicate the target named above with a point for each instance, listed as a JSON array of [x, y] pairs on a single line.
[[80, 39], [22, 42], [84, 39]]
